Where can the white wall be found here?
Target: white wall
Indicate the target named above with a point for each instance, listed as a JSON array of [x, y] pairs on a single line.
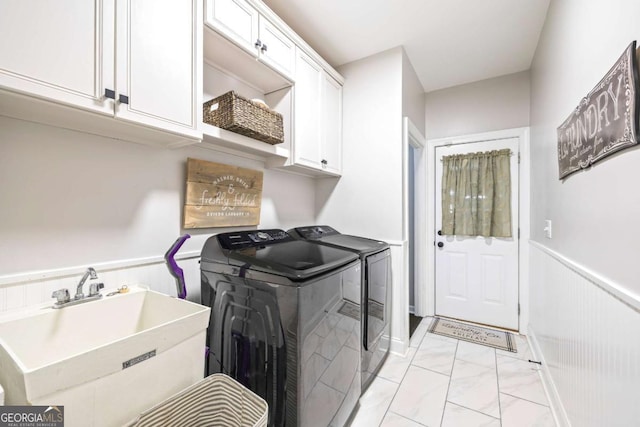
[[488, 105], [74, 200], [413, 105], [595, 212], [367, 200], [595, 222]]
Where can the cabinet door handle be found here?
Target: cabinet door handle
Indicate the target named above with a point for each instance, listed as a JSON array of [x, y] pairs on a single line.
[[264, 48], [258, 44], [123, 99], [324, 163], [111, 94]]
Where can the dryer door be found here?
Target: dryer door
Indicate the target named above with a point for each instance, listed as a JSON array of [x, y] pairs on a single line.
[[377, 282]]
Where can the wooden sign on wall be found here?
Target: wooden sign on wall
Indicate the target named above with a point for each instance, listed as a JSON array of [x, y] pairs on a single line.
[[605, 121], [221, 195]]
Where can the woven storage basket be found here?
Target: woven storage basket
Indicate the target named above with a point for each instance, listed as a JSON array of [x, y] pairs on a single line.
[[216, 401], [240, 115]]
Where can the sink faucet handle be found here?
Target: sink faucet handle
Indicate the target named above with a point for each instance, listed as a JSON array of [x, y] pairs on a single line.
[[61, 295], [94, 289]]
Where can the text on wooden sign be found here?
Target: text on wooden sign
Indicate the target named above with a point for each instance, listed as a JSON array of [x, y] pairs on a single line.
[[605, 121], [220, 195]]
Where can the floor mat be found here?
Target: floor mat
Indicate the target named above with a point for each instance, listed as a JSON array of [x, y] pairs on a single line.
[[475, 334]]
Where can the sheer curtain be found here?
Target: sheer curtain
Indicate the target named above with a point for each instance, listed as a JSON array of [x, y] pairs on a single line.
[[476, 194]]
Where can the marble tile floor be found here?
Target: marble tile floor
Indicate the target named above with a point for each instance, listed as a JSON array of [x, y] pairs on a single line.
[[444, 382]]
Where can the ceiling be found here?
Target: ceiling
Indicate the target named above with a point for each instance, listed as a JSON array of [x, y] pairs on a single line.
[[449, 42]]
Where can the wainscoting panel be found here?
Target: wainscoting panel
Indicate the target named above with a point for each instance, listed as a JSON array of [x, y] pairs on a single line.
[[399, 340], [21, 291], [586, 330]]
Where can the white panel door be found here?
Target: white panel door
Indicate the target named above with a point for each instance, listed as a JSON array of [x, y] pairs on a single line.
[[307, 94], [477, 277], [59, 50], [276, 49], [331, 124], [156, 63], [237, 20]]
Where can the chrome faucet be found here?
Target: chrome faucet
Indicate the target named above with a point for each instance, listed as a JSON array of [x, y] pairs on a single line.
[[90, 272], [62, 295]]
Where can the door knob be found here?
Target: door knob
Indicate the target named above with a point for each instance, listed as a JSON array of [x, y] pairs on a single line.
[[440, 244], [439, 232]]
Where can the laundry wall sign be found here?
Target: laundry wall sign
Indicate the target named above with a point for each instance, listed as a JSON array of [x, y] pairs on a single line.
[[219, 195], [605, 121]]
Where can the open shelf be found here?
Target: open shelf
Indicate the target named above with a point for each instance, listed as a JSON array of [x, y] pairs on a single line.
[[227, 141]]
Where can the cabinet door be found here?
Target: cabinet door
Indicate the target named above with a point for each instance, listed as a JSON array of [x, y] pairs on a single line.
[[306, 144], [237, 20], [276, 49], [59, 50], [331, 124], [158, 64]]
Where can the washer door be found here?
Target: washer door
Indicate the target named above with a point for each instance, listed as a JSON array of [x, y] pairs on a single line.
[[246, 339]]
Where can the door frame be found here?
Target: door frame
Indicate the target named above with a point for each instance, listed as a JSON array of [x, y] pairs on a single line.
[[428, 296], [412, 137]]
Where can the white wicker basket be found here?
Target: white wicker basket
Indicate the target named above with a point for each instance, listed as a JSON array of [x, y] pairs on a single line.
[[216, 401]]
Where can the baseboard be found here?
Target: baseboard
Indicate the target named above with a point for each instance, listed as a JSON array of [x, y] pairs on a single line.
[[557, 408], [399, 347]]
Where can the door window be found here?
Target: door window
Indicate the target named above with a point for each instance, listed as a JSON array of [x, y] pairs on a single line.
[[476, 194]]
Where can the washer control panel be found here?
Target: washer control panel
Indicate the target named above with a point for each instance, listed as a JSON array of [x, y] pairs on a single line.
[[252, 239], [315, 232]]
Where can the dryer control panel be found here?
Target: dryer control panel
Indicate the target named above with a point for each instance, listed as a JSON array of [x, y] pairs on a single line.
[[315, 232], [251, 239]]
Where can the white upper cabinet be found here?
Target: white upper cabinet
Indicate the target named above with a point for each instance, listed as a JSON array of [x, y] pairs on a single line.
[[59, 50], [318, 118], [136, 60], [156, 64], [307, 150], [235, 19], [331, 124], [240, 22], [276, 49], [282, 69]]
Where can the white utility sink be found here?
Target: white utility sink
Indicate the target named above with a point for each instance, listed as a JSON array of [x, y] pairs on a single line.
[[105, 361]]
